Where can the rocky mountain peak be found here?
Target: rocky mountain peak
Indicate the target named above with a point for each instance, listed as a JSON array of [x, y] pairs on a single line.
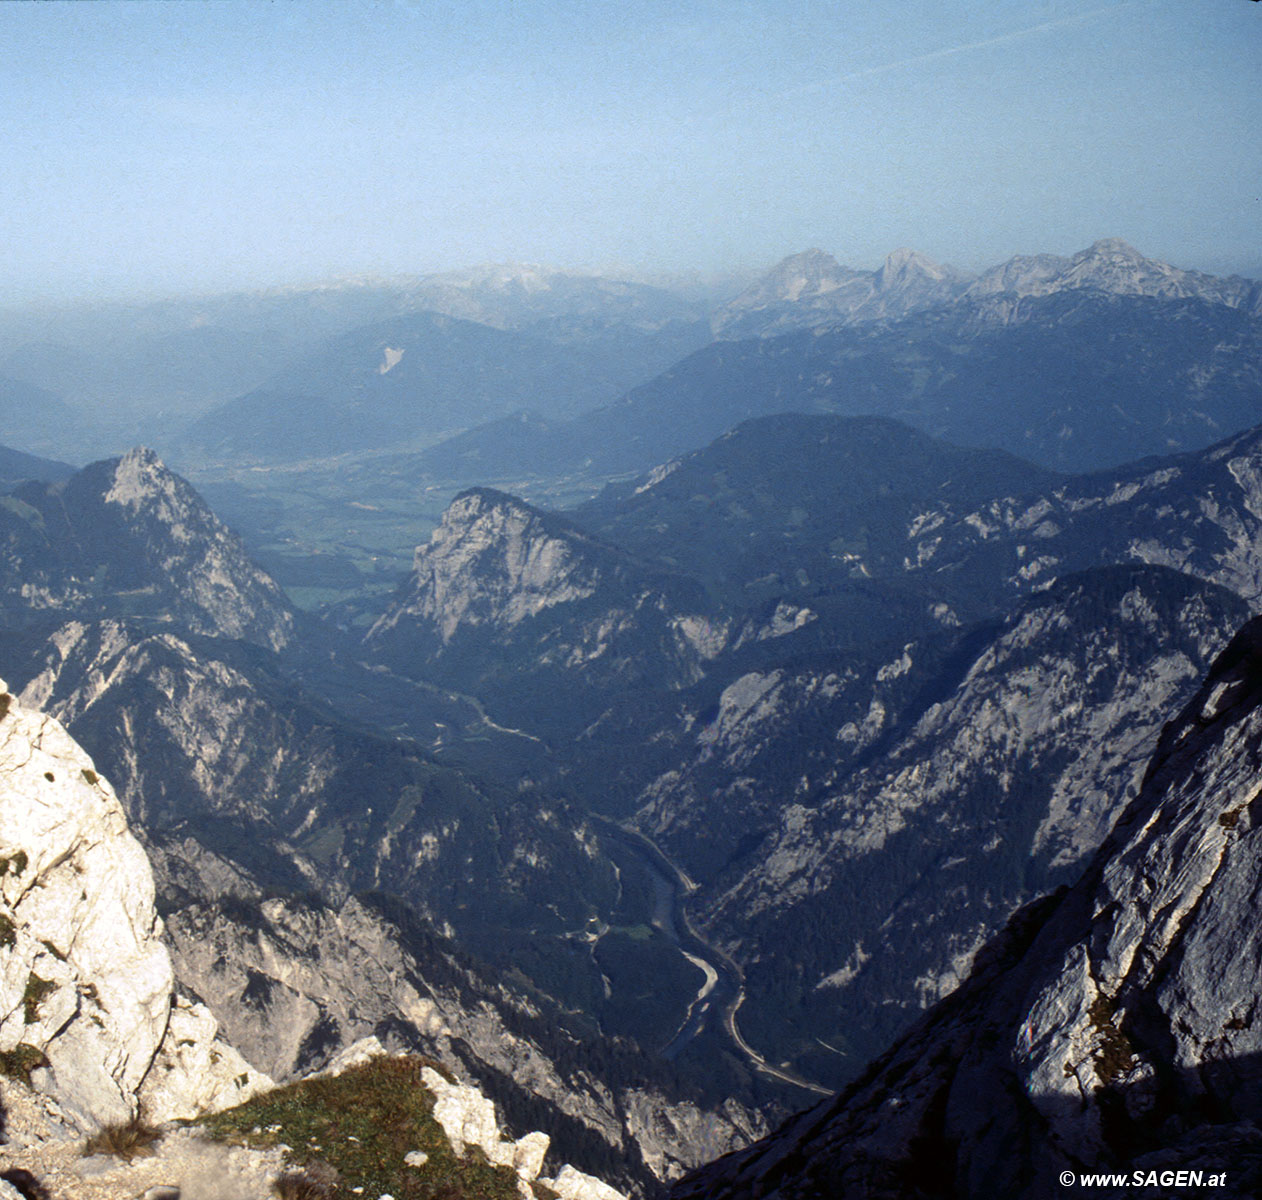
[[138, 474], [141, 484], [1112, 247], [811, 289], [903, 265], [1117, 266], [800, 276], [477, 501], [492, 560], [482, 518], [130, 531], [1114, 266]]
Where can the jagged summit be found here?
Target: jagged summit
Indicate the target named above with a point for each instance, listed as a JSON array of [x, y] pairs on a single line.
[[799, 277], [483, 496], [140, 478], [129, 532], [1114, 266], [1117, 266], [1113, 246], [812, 290]]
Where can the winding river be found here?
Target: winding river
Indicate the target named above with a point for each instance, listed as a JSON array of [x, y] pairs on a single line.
[[723, 990]]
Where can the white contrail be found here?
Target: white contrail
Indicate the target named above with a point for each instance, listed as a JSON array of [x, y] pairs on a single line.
[[951, 51]]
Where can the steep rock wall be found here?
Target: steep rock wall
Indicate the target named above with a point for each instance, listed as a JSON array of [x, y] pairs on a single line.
[[86, 985]]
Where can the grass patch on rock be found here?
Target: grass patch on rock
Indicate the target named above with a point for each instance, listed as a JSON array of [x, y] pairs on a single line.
[[126, 1140], [15, 863], [361, 1124], [19, 1062], [37, 991]]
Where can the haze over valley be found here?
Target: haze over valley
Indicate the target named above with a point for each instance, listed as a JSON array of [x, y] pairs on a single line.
[[758, 711]]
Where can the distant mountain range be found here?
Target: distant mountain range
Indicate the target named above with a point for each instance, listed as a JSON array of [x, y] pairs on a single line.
[[557, 305], [128, 372], [410, 379], [812, 290], [1075, 379]]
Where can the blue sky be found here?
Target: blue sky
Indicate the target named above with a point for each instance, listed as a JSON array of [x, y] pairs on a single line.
[[163, 147]]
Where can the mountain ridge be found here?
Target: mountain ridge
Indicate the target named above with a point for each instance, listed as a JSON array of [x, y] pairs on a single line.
[[1076, 379], [811, 290]]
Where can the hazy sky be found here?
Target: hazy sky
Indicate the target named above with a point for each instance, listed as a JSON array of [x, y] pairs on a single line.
[[172, 146]]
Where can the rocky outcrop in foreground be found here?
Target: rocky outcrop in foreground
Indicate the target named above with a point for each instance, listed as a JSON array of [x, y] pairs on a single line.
[[293, 981], [93, 1037], [1113, 1028], [469, 1121], [87, 1007]]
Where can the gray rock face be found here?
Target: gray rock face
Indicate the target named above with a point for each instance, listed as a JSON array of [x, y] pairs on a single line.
[[509, 601], [504, 583], [1111, 1028], [129, 535], [199, 730], [493, 561], [468, 1119], [85, 981], [812, 289], [220, 591]]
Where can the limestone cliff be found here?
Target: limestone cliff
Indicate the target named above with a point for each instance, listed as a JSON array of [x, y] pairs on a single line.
[[127, 535], [512, 602], [86, 985]]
